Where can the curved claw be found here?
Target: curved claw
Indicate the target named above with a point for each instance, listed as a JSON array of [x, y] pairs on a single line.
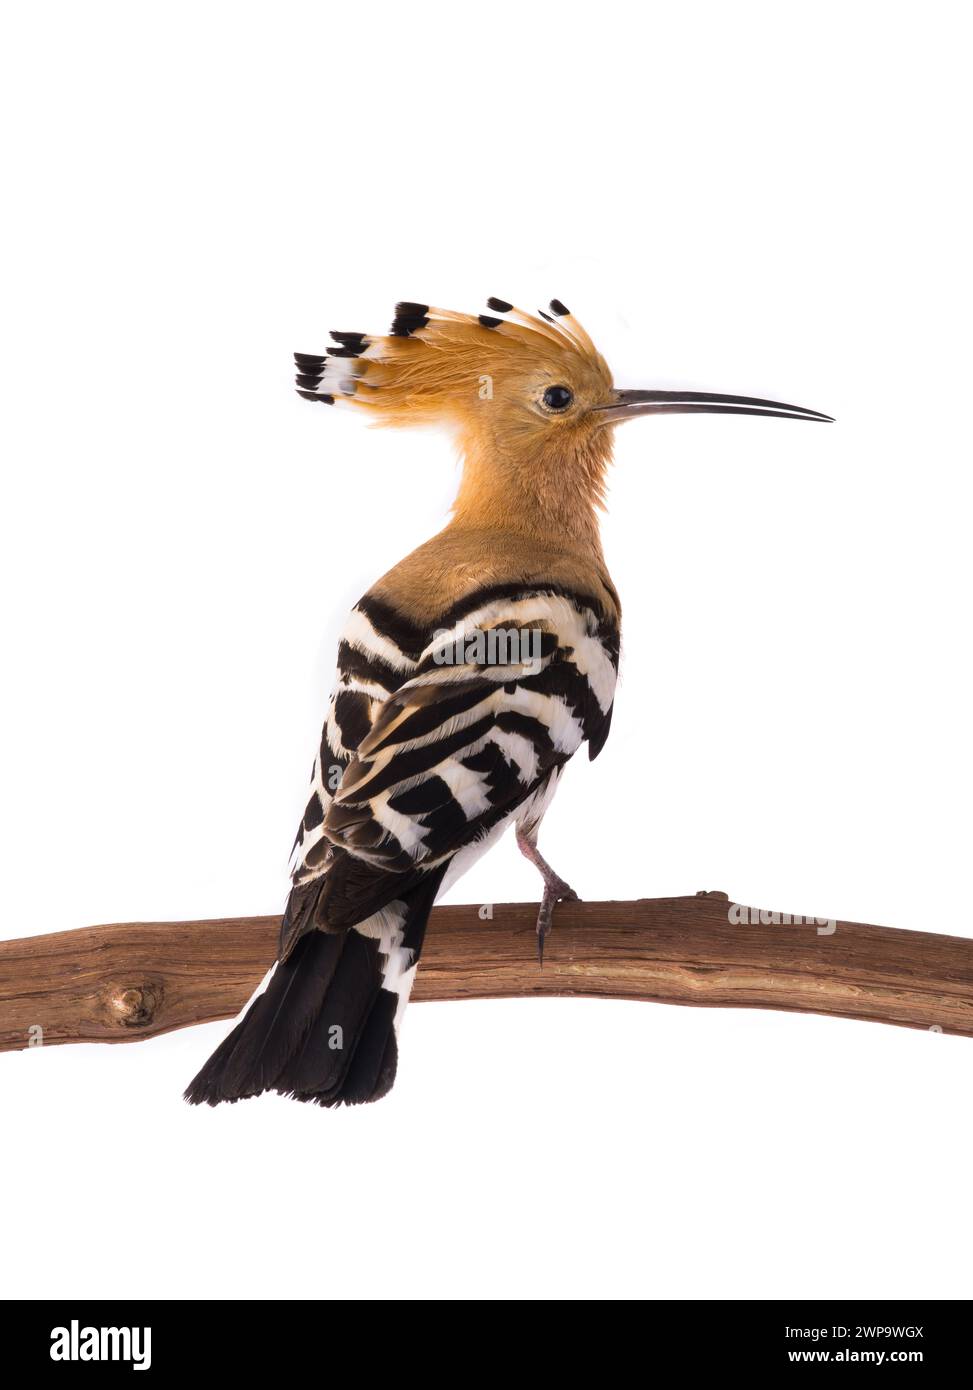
[[555, 892]]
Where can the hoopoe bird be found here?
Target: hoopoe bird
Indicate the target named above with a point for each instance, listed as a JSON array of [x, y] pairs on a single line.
[[437, 739]]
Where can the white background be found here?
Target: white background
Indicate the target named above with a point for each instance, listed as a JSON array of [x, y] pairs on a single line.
[[754, 198]]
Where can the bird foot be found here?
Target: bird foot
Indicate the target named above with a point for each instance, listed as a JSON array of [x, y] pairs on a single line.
[[555, 891]]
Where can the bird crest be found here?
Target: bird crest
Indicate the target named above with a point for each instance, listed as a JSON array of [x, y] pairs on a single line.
[[435, 365]]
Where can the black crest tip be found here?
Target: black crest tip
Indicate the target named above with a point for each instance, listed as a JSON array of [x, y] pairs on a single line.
[[317, 396], [499, 306], [404, 325], [409, 318], [308, 362], [355, 340], [486, 321], [558, 308]]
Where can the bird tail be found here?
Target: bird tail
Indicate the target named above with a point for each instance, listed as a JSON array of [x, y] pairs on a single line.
[[324, 1028]]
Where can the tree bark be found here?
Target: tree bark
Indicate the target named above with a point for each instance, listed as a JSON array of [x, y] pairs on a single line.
[[135, 980]]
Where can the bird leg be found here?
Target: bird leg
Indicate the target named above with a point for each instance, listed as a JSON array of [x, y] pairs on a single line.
[[555, 888]]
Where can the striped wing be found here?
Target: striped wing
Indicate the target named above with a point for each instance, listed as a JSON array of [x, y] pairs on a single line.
[[409, 775]]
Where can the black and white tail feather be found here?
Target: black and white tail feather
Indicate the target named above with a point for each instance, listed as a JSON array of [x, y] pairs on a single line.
[[324, 1028]]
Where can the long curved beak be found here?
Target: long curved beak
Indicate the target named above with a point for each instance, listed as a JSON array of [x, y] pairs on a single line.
[[625, 405]]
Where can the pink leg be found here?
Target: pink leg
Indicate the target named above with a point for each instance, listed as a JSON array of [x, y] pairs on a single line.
[[555, 888]]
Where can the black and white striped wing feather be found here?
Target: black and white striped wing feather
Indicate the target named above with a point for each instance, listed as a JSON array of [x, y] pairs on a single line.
[[421, 760]]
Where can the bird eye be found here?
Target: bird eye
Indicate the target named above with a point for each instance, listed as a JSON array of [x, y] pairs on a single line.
[[558, 398]]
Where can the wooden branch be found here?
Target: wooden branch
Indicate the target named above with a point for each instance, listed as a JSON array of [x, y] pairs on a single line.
[[122, 983]]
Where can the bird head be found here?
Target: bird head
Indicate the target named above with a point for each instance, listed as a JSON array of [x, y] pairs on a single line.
[[529, 397]]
